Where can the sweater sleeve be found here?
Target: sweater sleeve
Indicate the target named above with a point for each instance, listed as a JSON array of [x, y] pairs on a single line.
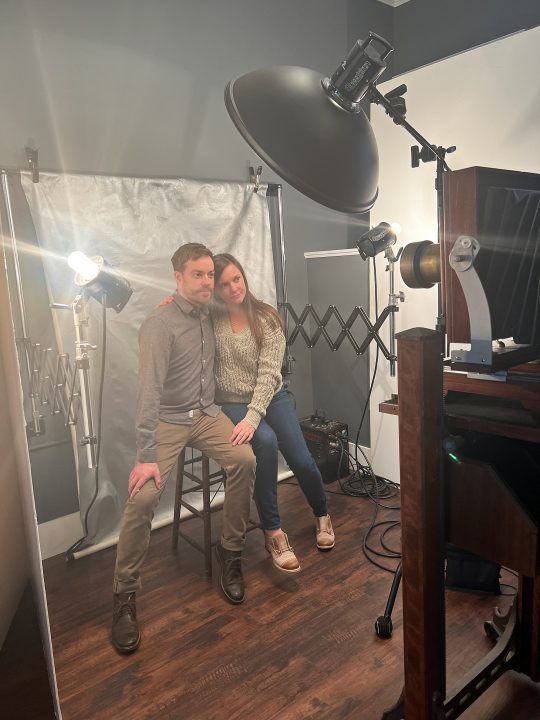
[[154, 352], [268, 375]]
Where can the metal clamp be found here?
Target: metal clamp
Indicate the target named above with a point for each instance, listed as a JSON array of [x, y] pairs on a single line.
[[32, 162], [255, 177]]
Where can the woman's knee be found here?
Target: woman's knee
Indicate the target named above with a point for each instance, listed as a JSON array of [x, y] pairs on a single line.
[[265, 441]]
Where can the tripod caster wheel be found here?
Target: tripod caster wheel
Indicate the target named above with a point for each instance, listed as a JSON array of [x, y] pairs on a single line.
[[383, 627]]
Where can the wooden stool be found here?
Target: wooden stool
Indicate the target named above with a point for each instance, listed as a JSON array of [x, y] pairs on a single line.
[[204, 483]]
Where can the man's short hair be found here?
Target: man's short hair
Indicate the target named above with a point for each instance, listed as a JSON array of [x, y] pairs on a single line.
[[187, 252]]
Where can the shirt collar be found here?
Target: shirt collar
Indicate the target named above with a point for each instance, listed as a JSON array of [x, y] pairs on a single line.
[[189, 309]]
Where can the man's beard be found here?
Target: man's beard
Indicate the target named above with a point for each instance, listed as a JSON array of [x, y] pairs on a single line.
[[198, 298]]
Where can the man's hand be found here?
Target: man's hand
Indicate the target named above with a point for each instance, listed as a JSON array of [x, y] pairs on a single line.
[[166, 301], [242, 433], [141, 473]]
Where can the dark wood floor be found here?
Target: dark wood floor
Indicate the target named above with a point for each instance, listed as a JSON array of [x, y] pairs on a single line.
[[299, 648], [23, 667]]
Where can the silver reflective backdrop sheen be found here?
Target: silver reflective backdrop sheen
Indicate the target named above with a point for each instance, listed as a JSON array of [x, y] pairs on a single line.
[[136, 225]]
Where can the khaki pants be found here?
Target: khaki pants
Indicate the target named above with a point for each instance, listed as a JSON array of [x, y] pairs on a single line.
[[211, 436]]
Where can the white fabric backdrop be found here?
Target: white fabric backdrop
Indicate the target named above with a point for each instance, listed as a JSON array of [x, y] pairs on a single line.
[[136, 225]]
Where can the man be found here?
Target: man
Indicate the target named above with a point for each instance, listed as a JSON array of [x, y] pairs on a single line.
[[175, 407]]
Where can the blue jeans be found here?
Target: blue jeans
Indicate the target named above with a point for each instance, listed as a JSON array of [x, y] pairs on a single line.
[[280, 430]]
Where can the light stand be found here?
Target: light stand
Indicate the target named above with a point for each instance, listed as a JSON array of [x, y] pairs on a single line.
[[427, 153], [396, 110], [96, 279], [82, 364], [100, 281], [393, 300]]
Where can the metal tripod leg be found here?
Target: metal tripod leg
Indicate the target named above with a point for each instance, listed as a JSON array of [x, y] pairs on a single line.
[[383, 624]]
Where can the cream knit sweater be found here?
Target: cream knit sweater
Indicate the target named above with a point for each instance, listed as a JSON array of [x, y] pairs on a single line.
[[243, 373]]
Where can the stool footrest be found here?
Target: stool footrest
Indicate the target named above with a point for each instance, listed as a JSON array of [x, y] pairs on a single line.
[[202, 484], [199, 513]]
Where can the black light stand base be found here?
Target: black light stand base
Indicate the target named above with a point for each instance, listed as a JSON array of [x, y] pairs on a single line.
[[383, 624]]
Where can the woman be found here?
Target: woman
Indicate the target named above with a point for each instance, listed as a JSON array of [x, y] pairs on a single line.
[[249, 352]]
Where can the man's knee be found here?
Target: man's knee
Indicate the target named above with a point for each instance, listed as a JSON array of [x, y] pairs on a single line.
[[144, 501], [244, 458]]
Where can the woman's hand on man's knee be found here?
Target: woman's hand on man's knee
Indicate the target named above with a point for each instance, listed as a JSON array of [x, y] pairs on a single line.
[[242, 433]]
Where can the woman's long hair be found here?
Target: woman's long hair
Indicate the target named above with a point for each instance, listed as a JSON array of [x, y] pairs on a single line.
[[257, 311]]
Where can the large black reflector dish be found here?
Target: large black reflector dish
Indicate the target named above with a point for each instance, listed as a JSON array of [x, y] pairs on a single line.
[[324, 151]]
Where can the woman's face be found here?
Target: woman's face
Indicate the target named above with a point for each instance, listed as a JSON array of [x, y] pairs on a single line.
[[231, 287]]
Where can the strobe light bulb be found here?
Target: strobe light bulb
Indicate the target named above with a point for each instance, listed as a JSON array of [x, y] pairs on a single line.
[[86, 268]]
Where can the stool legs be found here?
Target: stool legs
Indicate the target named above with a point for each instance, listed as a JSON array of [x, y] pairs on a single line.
[[204, 484], [206, 513], [178, 500]]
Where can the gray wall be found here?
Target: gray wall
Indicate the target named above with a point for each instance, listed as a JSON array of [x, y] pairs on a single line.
[[51, 451], [131, 87], [341, 377], [363, 16], [14, 558], [136, 87], [429, 30], [366, 15], [423, 31]]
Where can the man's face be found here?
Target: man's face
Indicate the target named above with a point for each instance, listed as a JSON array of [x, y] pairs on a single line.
[[195, 282]]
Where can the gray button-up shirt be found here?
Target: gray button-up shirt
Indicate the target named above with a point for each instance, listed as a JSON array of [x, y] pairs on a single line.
[[176, 371]]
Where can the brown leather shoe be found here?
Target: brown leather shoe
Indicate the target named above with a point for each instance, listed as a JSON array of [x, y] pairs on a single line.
[[282, 554], [125, 629], [232, 580], [325, 533]]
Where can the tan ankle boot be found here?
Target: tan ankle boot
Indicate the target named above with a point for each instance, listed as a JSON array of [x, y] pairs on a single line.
[[282, 554], [325, 533]]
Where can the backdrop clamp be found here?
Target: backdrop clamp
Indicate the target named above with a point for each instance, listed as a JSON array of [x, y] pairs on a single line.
[[32, 162], [255, 177]]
